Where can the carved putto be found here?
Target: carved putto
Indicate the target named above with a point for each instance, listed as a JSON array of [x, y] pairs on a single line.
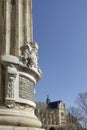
[[29, 55], [34, 56], [25, 54]]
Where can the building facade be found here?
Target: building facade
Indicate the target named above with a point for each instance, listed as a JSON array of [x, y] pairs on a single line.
[[52, 115]]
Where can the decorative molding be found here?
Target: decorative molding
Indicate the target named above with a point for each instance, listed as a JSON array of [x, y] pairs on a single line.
[[21, 106], [11, 74]]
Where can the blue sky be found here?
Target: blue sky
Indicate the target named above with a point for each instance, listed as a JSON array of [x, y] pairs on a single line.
[[60, 29]]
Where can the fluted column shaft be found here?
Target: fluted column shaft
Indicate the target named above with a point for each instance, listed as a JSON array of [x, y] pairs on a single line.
[[8, 26], [17, 26], [20, 24], [28, 20]]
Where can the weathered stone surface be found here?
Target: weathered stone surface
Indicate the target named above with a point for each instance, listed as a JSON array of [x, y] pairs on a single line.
[[18, 128], [15, 25], [19, 70], [26, 88]]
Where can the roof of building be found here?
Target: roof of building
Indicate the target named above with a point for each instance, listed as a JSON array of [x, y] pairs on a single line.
[[54, 105], [41, 105]]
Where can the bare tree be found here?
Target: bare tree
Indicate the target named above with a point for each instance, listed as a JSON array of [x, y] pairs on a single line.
[[82, 102], [76, 113], [74, 117]]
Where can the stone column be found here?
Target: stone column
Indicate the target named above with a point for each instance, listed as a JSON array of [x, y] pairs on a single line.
[[28, 20], [20, 23], [19, 70], [0, 82], [0, 27], [8, 26], [16, 25]]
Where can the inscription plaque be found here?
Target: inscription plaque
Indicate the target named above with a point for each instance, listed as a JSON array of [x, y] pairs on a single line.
[[26, 88]]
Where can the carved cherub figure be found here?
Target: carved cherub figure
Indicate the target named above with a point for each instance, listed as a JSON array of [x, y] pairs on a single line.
[[34, 56], [26, 52], [29, 55]]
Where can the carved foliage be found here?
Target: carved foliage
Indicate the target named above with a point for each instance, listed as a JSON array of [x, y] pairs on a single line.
[[10, 86]]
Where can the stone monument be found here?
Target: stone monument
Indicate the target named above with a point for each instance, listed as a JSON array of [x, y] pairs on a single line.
[[19, 70]]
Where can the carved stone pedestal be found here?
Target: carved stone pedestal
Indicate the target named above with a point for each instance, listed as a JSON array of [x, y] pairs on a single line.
[[19, 77]]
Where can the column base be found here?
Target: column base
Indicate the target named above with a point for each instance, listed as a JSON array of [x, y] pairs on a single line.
[[18, 118], [18, 128]]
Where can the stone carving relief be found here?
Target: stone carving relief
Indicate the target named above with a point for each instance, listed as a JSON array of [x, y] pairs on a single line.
[[34, 56], [10, 89], [21, 106], [25, 54], [10, 86], [29, 55]]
